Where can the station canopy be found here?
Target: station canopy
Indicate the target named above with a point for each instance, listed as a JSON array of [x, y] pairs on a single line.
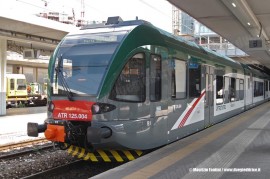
[[245, 23], [31, 32]]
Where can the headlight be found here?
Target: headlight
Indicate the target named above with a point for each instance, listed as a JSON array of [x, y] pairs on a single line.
[[95, 109], [99, 108]]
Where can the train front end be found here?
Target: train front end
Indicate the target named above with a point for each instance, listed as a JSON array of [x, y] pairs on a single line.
[[76, 73]]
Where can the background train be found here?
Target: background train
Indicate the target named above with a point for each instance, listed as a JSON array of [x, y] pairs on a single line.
[[19, 93], [130, 85]]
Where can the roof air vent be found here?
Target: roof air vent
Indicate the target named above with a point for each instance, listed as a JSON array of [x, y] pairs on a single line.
[[114, 20]]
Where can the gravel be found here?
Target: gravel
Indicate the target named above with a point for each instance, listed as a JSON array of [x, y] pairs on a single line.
[[42, 160], [33, 163]]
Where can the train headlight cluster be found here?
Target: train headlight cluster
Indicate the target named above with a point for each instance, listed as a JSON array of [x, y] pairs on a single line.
[[95, 109], [99, 108]]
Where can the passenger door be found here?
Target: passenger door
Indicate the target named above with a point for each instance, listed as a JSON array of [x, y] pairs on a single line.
[[158, 107], [208, 73], [248, 91]]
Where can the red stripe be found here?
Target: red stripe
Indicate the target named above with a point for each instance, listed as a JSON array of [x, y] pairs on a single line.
[[184, 120]]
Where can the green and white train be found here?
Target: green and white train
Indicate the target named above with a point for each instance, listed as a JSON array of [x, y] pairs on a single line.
[[131, 85]]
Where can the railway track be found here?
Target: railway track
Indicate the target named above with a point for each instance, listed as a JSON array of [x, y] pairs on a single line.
[[24, 152], [57, 171], [22, 144], [26, 144]]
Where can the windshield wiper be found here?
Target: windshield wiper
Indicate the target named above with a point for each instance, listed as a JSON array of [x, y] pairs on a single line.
[[59, 75]]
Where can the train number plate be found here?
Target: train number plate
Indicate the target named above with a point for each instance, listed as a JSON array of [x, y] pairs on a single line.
[[72, 116]]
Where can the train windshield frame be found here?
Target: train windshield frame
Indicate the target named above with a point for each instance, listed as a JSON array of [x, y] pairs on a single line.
[[82, 61]]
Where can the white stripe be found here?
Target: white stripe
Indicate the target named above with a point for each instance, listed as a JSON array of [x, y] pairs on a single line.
[[175, 126], [228, 154]]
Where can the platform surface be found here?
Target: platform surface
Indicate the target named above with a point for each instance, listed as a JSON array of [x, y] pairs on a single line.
[[13, 126], [236, 148]]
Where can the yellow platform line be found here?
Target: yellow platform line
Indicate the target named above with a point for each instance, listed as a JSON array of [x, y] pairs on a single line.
[[91, 156], [82, 153], [70, 149], [129, 155], [104, 156], [139, 152], [116, 156], [75, 151]]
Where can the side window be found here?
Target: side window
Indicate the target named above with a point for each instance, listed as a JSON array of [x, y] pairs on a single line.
[[226, 89], [194, 80], [241, 89], [155, 78], [232, 92], [219, 89], [21, 84], [12, 84], [178, 79], [258, 88], [130, 85]]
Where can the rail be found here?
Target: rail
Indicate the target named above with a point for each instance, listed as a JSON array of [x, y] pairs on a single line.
[[22, 144]]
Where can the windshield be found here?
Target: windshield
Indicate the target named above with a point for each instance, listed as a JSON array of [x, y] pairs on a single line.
[[82, 61]]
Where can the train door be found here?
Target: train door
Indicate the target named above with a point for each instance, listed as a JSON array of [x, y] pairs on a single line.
[[157, 88], [248, 90], [208, 74], [158, 93]]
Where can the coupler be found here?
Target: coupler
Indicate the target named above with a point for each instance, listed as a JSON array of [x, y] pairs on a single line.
[[34, 128]]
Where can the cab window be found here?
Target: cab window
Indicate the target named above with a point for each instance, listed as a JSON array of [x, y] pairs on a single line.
[[130, 85], [21, 85]]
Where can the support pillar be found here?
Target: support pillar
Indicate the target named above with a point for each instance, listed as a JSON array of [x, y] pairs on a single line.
[[3, 64]]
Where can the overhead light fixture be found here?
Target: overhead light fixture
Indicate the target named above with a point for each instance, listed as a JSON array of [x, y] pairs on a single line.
[[245, 15]]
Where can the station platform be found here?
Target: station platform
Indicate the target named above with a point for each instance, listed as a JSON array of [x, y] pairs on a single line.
[[13, 126], [236, 148]]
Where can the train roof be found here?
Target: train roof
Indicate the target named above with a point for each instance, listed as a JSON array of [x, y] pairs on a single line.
[[110, 27], [116, 24], [196, 46]]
